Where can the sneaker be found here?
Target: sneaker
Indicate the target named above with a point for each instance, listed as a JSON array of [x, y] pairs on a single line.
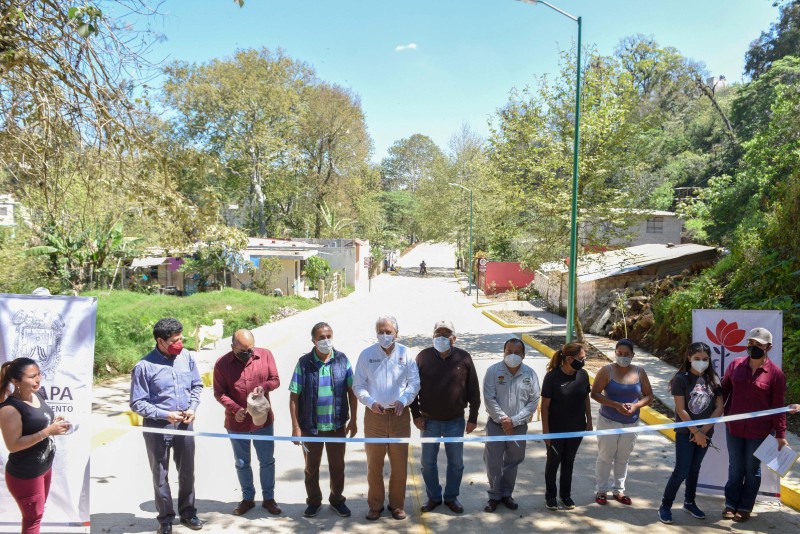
[[312, 510], [568, 503], [551, 503], [692, 508], [341, 509], [665, 515]]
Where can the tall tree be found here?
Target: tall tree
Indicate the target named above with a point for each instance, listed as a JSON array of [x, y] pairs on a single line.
[[334, 147], [246, 110], [782, 39], [411, 161]]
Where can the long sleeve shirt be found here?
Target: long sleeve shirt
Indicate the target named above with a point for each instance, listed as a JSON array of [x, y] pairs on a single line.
[[448, 386], [748, 391], [160, 385], [234, 380], [386, 378], [511, 395]]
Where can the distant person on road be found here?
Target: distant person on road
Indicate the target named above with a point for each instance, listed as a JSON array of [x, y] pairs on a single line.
[[28, 427], [448, 383], [698, 395], [165, 391], [423, 268], [321, 402], [386, 381], [751, 383], [243, 379], [511, 394], [565, 408], [622, 389]]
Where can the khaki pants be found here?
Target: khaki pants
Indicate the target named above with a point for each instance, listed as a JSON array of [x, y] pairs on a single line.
[[387, 426]]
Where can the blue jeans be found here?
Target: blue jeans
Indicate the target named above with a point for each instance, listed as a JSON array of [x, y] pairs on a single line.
[[744, 473], [266, 460], [688, 457], [455, 458]]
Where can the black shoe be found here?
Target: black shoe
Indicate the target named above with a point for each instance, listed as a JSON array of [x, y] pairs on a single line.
[[193, 522], [551, 503], [491, 506], [568, 503], [341, 509], [455, 506], [165, 528], [312, 510], [430, 505], [510, 503]]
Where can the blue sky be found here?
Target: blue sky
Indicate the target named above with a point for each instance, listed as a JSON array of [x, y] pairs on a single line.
[[466, 54]]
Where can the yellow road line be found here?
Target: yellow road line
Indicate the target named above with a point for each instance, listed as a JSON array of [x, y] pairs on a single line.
[[423, 526]]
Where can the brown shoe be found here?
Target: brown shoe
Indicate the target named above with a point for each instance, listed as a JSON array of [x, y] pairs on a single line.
[[243, 507], [741, 517], [728, 513], [430, 505], [272, 507], [491, 506], [399, 514], [455, 506], [374, 515]]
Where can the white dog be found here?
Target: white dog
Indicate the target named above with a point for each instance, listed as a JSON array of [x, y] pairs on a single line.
[[204, 334]]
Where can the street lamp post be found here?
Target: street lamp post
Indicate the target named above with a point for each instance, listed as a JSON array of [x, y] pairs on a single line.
[[573, 239], [469, 290]]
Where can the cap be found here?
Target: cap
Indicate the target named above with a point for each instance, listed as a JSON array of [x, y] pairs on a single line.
[[444, 324], [762, 335]]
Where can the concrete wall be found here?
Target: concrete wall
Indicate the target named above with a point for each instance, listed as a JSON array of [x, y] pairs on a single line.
[[500, 276], [347, 254]]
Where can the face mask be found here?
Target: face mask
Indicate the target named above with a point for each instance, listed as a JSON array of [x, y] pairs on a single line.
[[624, 361], [385, 340], [512, 360], [578, 364], [175, 348], [442, 344], [324, 346], [699, 365], [755, 353], [244, 356]]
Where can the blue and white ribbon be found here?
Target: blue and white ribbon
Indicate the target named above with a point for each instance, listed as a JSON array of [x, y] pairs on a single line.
[[461, 439]]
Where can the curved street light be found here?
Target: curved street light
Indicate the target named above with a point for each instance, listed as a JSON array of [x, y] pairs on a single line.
[[573, 240]]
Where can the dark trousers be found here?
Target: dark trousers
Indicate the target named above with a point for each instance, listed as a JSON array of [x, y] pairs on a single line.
[[688, 458], [335, 453], [30, 494], [158, 452], [744, 473], [561, 453]]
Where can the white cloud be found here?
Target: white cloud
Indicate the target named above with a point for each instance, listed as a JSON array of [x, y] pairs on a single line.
[[409, 46]]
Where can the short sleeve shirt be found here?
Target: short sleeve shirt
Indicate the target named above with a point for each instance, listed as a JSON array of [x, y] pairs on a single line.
[[567, 394], [698, 394], [325, 421]]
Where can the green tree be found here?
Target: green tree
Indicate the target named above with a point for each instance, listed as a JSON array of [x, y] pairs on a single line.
[[219, 248], [316, 269], [245, 110], [411, 161], [782, 39]]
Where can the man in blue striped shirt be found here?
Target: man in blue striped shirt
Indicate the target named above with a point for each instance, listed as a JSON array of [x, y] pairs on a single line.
[[320, 403]]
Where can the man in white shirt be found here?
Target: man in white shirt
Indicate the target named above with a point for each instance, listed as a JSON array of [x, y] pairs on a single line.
[[386, 381]]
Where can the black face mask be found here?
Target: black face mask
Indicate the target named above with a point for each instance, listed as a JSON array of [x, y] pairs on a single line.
[[756, 353], [577, 364], [244, 356]]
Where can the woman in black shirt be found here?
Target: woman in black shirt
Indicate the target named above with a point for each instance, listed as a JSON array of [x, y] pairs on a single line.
[[565, 408], [28, 426], [698, 395]]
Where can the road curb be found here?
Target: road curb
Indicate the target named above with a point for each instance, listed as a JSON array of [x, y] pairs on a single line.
[[790, 493], [501, 322]]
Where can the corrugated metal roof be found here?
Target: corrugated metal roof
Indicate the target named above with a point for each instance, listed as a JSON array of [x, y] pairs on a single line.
[[614, 262]]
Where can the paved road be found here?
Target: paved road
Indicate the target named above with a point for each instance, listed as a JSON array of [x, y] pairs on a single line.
[[122, 494]]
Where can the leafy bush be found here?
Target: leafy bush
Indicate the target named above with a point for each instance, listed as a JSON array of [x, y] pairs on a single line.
[[267, 277], [316, 269]]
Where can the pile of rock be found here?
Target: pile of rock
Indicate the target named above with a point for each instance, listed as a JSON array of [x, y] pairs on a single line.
[[283, 313]]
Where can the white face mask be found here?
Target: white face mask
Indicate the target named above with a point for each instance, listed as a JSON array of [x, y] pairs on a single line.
[[512, 360], [324, 346], [624, 361], [699, 365], [442, 344], [385, 340]]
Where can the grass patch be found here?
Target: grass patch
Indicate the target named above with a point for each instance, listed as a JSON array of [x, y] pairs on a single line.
[[125, 320]]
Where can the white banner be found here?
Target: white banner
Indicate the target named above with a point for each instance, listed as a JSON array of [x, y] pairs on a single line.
[[725, 331], [59, 333]]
